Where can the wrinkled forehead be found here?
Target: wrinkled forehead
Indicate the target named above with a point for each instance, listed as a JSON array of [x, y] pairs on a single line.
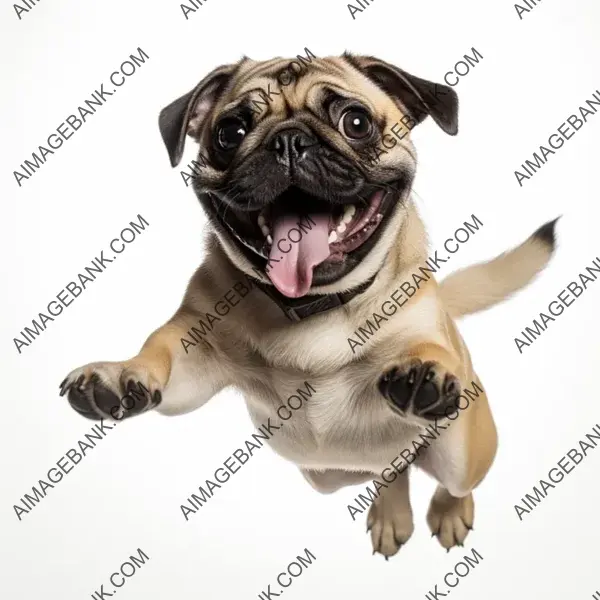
[[295, 84]]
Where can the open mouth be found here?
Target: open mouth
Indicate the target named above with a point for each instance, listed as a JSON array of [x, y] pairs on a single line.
[[298, 232]]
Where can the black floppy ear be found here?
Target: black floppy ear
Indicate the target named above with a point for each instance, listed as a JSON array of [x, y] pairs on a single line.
[[420, 96], [191, 109]]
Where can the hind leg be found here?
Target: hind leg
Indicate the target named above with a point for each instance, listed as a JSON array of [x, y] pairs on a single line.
[[390, 518], [459, 460], [450, 519]]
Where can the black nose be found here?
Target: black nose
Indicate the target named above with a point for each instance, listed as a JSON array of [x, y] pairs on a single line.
[[291, 145]]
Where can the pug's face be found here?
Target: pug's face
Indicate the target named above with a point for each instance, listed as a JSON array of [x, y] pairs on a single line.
[[281, 169]]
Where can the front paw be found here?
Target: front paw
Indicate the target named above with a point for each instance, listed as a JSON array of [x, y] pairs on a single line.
[[424, 389], [111, 390]]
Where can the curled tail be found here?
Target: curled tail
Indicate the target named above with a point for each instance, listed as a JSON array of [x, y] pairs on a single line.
[[480, 286]]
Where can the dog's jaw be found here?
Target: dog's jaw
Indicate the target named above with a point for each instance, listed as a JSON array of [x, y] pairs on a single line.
[[340, 278], [319, 238]]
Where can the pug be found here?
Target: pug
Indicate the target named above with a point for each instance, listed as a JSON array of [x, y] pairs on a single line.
[[293, 307]]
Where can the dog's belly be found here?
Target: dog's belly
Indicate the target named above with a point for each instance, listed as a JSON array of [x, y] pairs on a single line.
[[337, 426], [343, 421]]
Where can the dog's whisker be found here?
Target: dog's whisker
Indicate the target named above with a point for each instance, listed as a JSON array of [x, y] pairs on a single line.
[[229, 192]]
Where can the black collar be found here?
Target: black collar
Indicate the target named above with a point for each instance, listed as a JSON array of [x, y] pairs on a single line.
[[296, 309]]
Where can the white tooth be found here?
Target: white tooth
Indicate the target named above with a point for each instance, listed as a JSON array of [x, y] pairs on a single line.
[[348, 214], [341, 228], [265, 230], [269, 239], [261, 221], [332, 237]]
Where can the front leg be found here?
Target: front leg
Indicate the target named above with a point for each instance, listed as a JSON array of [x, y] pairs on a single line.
[[161, 376], [427, 385]]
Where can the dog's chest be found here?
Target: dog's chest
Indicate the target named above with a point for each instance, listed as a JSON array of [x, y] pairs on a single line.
[[332, 340]]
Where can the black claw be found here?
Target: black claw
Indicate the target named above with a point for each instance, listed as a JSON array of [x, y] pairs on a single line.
[[373, 552], [447, 550], [156, 398], [79, 380], [387, 558], [63, 382]]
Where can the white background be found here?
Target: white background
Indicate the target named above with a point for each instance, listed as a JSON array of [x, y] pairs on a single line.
[[126, 493]]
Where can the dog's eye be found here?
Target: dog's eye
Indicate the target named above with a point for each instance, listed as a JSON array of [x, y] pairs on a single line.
[[230, 133], [355, 124]]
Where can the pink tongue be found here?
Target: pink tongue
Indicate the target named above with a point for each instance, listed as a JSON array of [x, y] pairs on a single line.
[[292, 275]]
